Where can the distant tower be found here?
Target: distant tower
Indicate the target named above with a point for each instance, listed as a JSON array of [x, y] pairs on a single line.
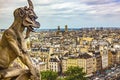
[[58, 28], [66, 28], [78, 41]]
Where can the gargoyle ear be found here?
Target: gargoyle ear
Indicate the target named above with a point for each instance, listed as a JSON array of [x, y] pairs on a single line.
[[21, 12], [26, 8]]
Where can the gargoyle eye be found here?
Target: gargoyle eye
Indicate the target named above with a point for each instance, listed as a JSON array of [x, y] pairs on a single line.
[[30, 12], [32, 17]]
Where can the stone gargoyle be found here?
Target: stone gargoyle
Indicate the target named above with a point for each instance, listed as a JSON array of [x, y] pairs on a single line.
[[12, 45]]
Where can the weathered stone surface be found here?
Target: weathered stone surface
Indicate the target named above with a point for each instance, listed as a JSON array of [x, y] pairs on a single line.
[[12, 45]]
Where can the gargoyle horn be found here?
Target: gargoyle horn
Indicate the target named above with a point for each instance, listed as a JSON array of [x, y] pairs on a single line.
[[30, 4]]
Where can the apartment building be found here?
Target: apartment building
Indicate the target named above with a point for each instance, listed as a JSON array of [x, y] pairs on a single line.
[[54, 64], [85, 61]]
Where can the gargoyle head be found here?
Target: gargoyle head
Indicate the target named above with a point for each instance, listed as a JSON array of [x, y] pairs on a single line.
[[27, 16]]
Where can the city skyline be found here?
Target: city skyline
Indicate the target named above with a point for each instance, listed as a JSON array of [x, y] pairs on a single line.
[[74, 13]]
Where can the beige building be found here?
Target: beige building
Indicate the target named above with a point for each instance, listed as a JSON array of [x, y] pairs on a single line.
[[54, 64], [112, 57], [64, 64], [42, 66], [118, 57], [97, 60], [86, 62], [104, 56], [72, 61], [86, 40]]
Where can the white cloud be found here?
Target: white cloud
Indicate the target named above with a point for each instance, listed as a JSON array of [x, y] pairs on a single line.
[[109, 7], [65, 8], [105, 9], [96, 1], [46, 1]]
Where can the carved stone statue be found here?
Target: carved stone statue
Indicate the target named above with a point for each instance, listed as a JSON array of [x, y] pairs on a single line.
[[12, 45]]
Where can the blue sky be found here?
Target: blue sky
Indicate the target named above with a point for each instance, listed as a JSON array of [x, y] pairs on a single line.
[[74, 13]]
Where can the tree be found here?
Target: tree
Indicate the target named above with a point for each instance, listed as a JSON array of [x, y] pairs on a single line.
[[60, 79], [49, 75], [75, 73]]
